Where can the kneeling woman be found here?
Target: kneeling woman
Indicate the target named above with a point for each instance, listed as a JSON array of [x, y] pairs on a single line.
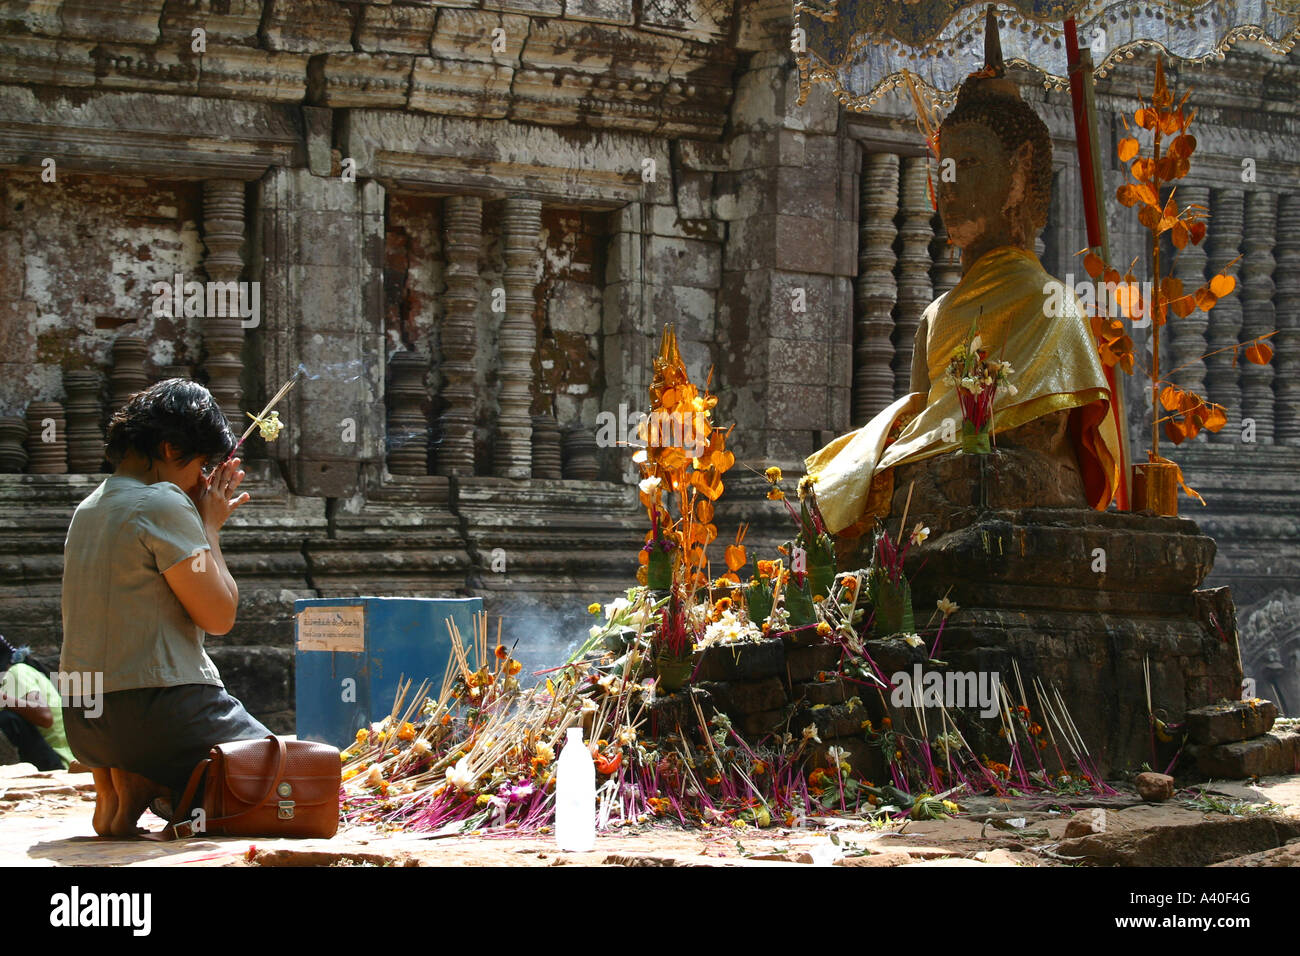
[[143, 579]]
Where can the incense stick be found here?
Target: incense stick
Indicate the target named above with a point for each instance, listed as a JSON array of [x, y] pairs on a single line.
[[284, 389]]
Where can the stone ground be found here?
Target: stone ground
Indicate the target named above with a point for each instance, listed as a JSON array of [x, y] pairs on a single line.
[[45, 821]]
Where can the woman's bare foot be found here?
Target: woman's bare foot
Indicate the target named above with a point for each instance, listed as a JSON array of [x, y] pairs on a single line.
[[133, 795], [105, 801]]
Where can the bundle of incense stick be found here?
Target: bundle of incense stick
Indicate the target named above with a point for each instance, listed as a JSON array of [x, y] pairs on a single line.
[[284, 390]]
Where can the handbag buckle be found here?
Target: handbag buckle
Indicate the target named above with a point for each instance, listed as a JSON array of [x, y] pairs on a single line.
[[286, 810], [183, 830]]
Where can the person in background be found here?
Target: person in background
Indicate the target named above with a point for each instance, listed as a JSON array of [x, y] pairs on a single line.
[[143, 579], [31, 713]]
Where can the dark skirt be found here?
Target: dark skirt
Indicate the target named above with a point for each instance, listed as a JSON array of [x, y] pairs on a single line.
[[159, 732]]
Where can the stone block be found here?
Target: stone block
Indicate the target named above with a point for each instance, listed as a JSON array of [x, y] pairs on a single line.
[[821, 692], [260, 677], [669, 221], [749, 661], [695, 196], [223, 21], [111, 21], [600, 11], [804, 663], [832, 720], [541, 8], [1230, 721], [310, 26], [461, 88], [801, 363], [802, 244], [396, 29], [1154, 787], [574, 307], [688, 262], [694, 155], [795, 406], [691, 309], [1275, 752], [469, 35], [742, 698], [755, 726], [360, 80], [808, 191], [237, 72]]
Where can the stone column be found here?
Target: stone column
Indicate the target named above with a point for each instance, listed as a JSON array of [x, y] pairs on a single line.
[[1257, 306], [522, 222], [876, 288], [223, 336], [463, 238], [1224, 241], [914, 289], [1187, 335], [321, 258], [945, 273], [1286, 344]]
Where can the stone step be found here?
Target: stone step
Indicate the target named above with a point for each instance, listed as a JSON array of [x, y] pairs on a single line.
[[1230, 721], [1275, 752]]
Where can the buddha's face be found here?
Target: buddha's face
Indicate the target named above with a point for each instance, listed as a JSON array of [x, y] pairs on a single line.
[[981, 193]]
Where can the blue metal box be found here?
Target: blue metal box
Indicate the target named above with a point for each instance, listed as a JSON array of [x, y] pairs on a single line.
[[351, 652]]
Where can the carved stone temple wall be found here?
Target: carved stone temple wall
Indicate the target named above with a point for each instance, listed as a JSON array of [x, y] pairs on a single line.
[[468, 223]]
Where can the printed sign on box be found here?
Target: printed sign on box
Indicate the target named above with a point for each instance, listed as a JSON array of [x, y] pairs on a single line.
[[332, 629]]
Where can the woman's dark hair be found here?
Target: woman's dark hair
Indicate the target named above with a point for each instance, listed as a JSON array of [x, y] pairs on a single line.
[[177, 411]]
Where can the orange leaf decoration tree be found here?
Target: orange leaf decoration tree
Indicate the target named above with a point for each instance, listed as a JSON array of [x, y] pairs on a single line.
[[682, 463], [1169, 160]]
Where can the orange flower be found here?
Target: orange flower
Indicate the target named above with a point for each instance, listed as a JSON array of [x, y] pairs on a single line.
[[766, 569], [776, 494], [713, 781], [406, 732], [886, 722], [502, 653], [513, 668], [722, 604]]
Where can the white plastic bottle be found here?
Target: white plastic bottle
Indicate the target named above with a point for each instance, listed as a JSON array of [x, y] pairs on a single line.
[[575, 796]]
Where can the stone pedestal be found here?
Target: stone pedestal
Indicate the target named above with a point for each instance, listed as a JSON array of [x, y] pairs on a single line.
[[128, 375], [13, 456]]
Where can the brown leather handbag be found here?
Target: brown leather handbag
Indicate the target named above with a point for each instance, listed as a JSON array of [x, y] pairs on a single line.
[[269, 787]]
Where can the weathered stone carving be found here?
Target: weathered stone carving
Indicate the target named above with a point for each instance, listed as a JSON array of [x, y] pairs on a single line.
[[46, 420], [408, 429], [223, 337], [13, 435], [1257, 309], [463, 238], [1286, 361], [1227, 208], [127, 375], [522, 221], [85, 434], [580, 461], [1187, 334], [914, 289], [876, 289], [547, 458]]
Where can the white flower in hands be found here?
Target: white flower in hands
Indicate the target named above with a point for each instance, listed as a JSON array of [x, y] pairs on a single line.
[[268, 427], [920, 533]]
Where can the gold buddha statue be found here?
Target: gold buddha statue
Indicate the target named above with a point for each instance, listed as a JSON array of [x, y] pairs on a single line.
[[1059, 410]]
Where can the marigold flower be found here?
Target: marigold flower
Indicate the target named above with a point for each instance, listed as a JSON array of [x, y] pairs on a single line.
[[1042, 743], [776, 494], [593, 607], [513, 668], [406, 731], [823, 628], [501, 652], [766, 569], [886, 722], [760, 767], [363, 735], [773, 474]]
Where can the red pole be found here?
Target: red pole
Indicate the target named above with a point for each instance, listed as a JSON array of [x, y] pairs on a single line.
[[1080, 67]]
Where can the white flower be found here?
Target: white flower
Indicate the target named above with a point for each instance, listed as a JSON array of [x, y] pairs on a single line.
[[615, 607], [460, 776], [946, 606], [420, 747], [627, 736], [650, 485], [595, 631], [544, 752], [375, 777], [969, 384], [810, 733], [976, 344], [837, 755], [920, 533], [913, 639], [1010, 390], [1006, 368]]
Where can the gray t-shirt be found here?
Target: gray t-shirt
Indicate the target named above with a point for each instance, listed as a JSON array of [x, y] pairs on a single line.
[[120, 617]]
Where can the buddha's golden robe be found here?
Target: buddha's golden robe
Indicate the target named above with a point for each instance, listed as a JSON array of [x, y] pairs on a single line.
[[1005, 294]]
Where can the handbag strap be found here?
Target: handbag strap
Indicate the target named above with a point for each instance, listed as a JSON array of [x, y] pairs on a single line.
[[282, 763]]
